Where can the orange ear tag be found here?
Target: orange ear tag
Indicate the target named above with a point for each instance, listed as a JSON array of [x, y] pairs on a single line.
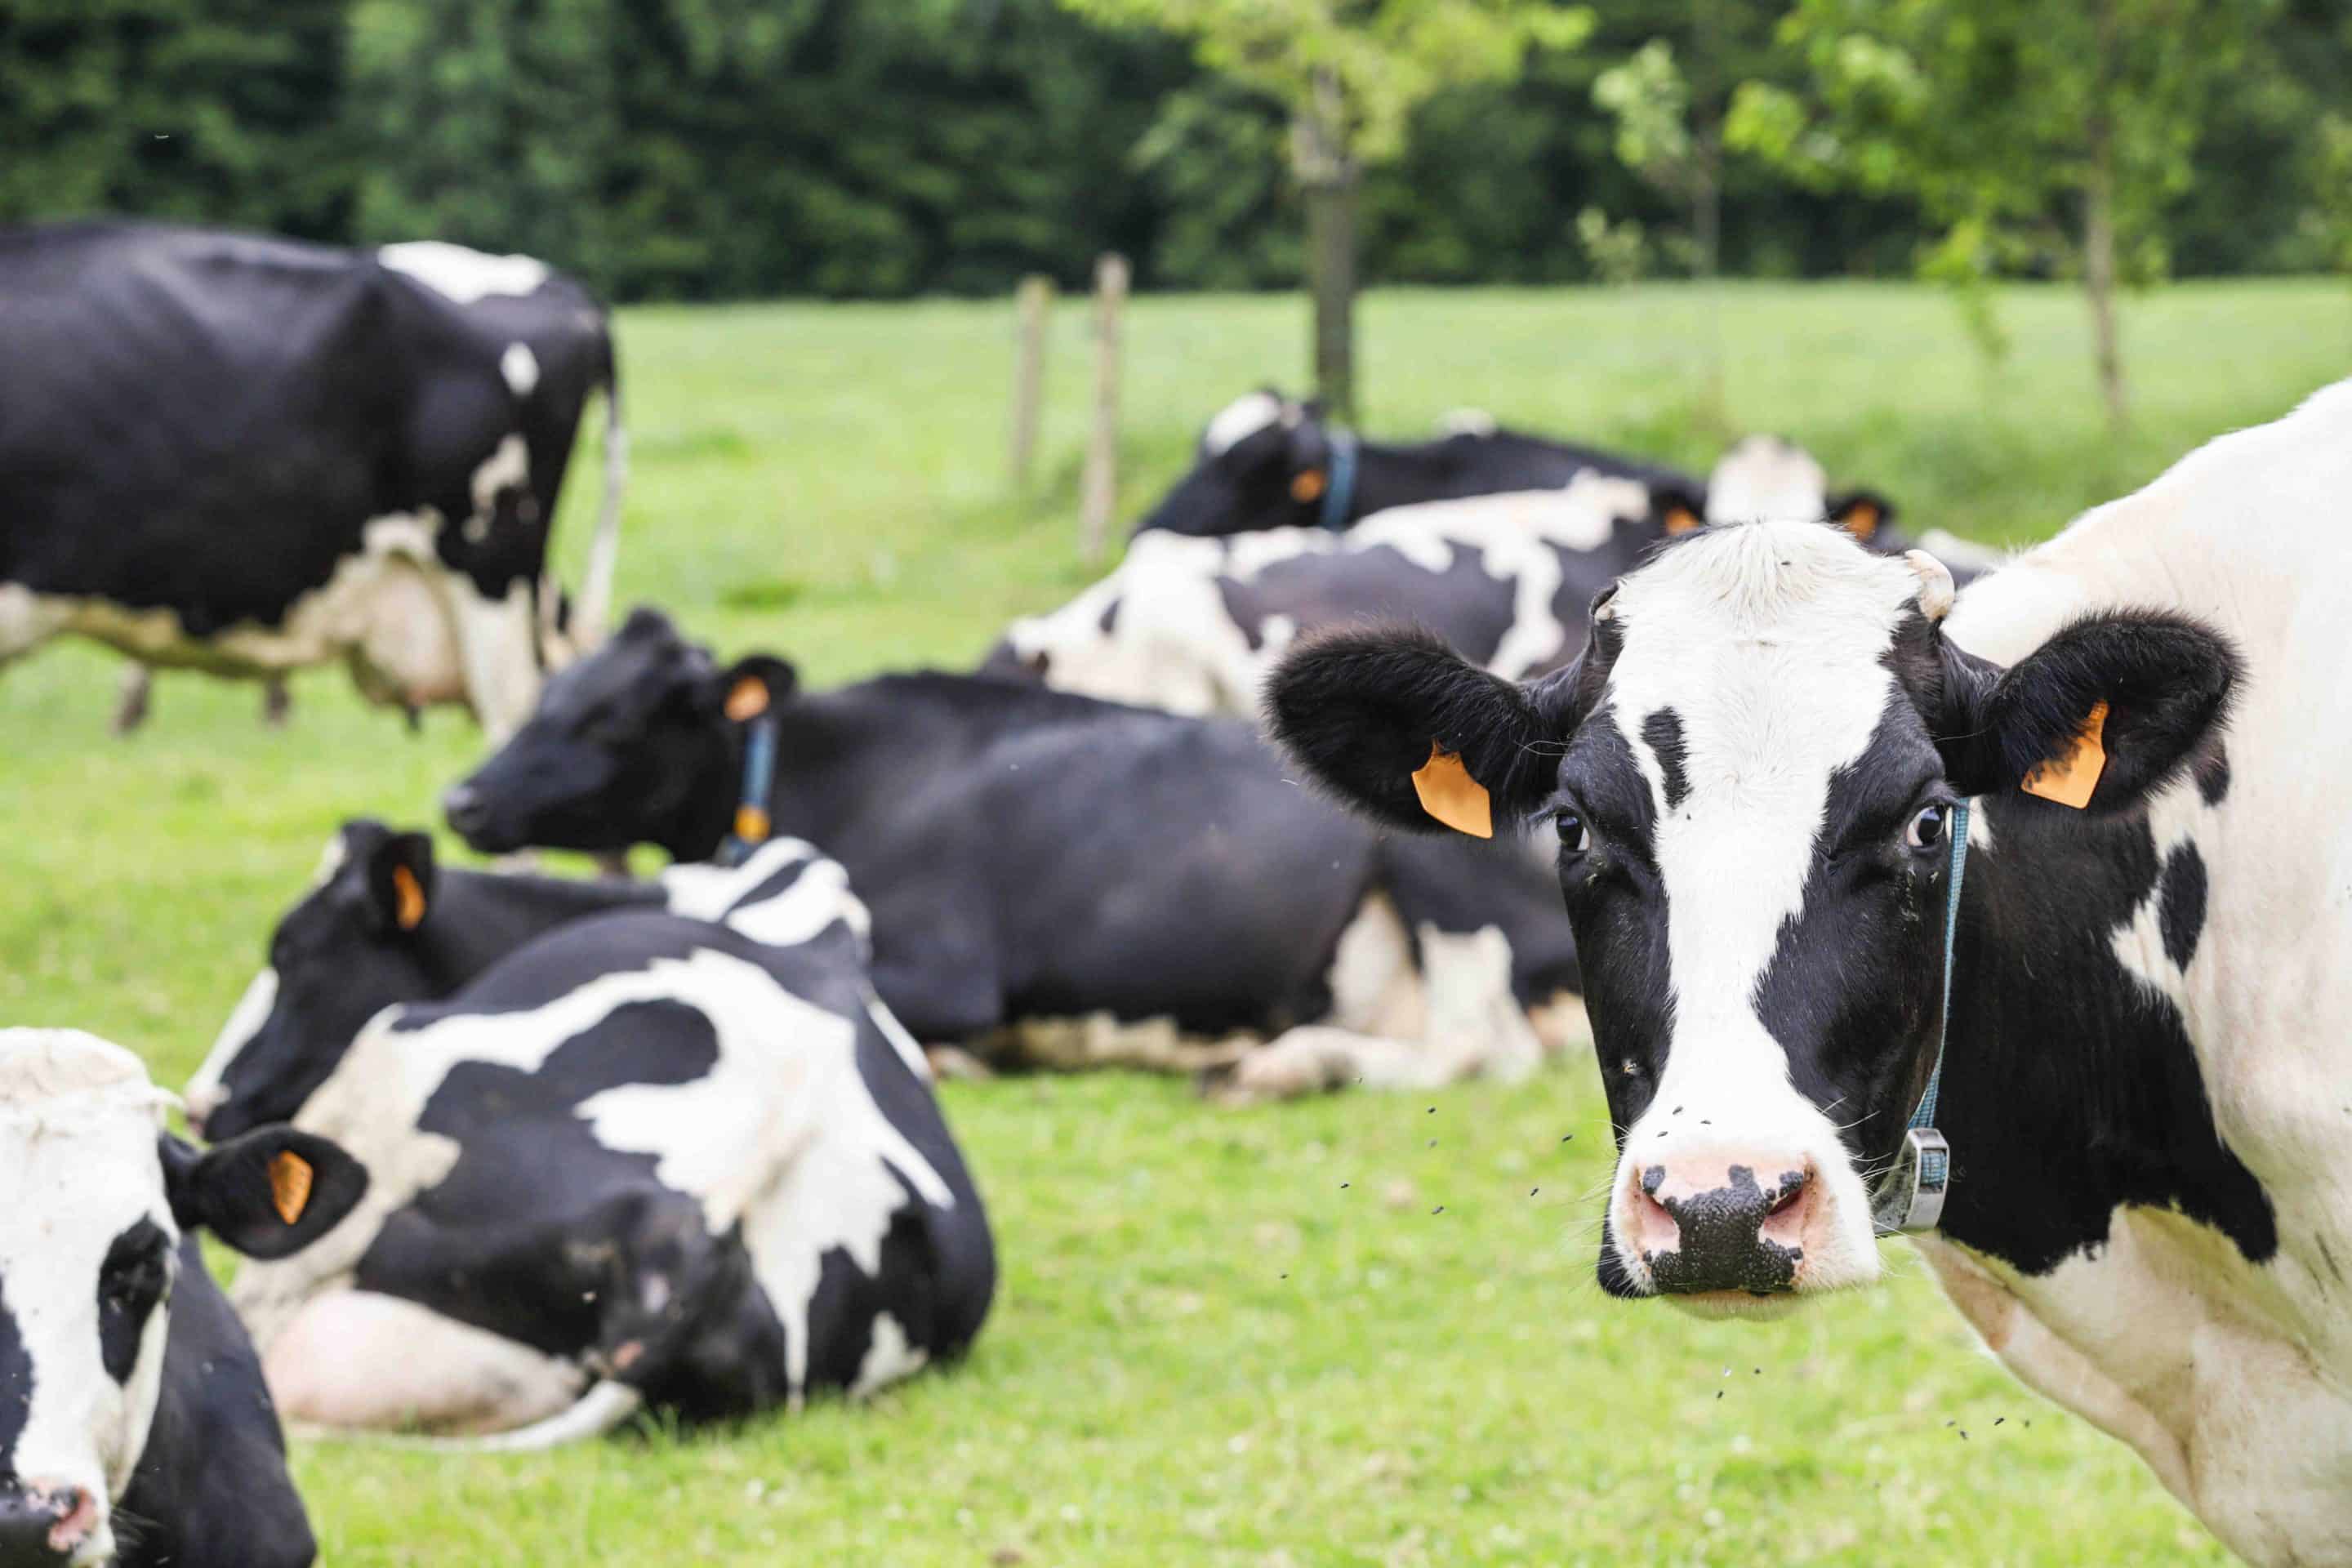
[[2069, 780], [1449, 793], [748, 700], [1861, 520], [1680, 521], [408, 901], [750, 824], [290, 1185], [1307, 485]]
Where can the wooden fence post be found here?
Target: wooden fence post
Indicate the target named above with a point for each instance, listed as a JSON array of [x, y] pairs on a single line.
[[1099, 495], [1033, 305]]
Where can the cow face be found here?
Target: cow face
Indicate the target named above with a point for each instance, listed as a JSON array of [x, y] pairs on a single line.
[[97, 1199], [1764, 478], [1265, 461], [1752, 774], [628, 746], [350, 948]]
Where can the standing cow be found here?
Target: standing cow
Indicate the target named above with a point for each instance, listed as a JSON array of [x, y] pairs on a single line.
[[135, 1425], [1964, 921], [247, 455]]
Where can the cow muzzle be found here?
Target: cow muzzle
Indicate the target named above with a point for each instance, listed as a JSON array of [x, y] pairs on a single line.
[[45, 1523], [1711, 1221]]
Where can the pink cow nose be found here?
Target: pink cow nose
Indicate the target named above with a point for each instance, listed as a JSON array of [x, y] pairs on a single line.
[[45, 1523], [1719, 1220]]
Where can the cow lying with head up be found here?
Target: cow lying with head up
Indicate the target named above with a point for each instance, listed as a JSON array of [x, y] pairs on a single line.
[[1058, 880], [1787, 769], [134, 1427], [622, 1158]]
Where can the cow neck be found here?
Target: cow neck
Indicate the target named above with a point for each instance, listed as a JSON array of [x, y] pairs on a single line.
[[2070, 1086]]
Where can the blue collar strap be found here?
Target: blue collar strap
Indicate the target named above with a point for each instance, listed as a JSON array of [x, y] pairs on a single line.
[[751, 826], [1910, 1197], [1339, 495]]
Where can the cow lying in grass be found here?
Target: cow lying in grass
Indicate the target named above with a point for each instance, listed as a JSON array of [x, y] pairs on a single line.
[[135, 1425], [1055, 878], [635, 1159], [2119, 994]]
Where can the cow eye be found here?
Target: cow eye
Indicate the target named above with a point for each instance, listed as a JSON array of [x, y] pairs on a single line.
[[1575, 839], [1926, 830]]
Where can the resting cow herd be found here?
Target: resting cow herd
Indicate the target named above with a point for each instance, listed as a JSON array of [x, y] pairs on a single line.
[[2011, 917]]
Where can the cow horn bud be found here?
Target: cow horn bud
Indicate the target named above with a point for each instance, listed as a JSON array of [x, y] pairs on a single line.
[[1935, 590]]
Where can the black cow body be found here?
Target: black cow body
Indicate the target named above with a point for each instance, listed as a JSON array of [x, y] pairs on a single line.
[[247, 455], [644, 1148], [1027, 855]]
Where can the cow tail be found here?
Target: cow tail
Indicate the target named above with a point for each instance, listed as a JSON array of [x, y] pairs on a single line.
[[595, 610], [604, 1407]]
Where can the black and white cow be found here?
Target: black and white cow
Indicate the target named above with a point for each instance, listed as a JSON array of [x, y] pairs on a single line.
[[1755, 776], [247, 455], [1059, 879], [135, 1425], [639, 1158], [383, 923]]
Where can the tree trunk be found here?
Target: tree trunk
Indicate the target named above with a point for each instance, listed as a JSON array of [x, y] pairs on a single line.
[[2099, 222], [1326, 180], [1707, 203]]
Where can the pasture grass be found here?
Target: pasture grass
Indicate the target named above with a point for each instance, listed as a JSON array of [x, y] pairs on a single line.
[[1357, 1331]]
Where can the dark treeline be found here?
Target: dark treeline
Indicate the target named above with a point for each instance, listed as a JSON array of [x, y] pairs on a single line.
[[704, 148]]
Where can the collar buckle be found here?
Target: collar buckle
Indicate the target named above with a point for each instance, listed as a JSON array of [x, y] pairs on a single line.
[[1910, 1196]]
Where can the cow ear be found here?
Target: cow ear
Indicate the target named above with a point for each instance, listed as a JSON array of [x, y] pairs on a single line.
[[1862, 513], [754, 685], [1676, 509], [2097, 719], [1402, 727], [401, 882], [269, 1194]]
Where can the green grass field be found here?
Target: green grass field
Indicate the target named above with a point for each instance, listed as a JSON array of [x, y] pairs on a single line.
[[1357, 1331]]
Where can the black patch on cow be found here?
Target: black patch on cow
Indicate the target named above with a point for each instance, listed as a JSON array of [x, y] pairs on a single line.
[[2214, 776], [841, 1313], [1663, 730], [1239, 599], [1722, 1247], [16, 1383], [1110, 618], [130, 1285], [2180, 905]]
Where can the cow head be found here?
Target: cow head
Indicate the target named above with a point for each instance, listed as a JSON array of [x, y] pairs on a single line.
[[98, 1200], [347, 950], [1752, 774], [1265, 461], [1764, 478], [637, 743]]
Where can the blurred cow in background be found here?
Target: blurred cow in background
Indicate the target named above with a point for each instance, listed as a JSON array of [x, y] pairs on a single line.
[[246, 455]]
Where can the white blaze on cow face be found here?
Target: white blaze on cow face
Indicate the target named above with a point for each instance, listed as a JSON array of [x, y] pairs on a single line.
[[1766, 645], [88, 1251], [1244, 418], [1764, 478], [463, 274]]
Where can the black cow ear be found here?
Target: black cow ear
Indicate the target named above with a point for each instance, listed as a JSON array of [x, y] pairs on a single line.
[[753, 685], [1399, 725], [2098, 717], [1676, 509], [269, 1194], [1862, 513], [400, 880]]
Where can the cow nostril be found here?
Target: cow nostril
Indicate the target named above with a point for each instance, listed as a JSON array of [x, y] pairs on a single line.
[[461, 805], [1793, 1192]]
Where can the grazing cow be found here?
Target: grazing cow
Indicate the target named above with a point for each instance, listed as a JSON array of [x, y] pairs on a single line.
[[1884, 906], [641, 1160], [382, 924], [247, 455], [135, 1425], [1050, 877]]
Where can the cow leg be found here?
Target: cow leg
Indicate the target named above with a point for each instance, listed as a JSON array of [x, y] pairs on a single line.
[[131, 706], [498, 645], [359, 1360], [1315, 1059], [277, 703]]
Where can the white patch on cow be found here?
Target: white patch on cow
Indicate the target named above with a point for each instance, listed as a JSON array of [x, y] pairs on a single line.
[[496, 640], [781, 1135], [1765, 641], [1244, 418], [910, 1051], [78, 1121], [1467, 422], [507, 467], [890, 1357], [463, 274], [207, 1090], [360, 1361], [27, 620], [519, 366], [1764, 478], [817, 898]]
